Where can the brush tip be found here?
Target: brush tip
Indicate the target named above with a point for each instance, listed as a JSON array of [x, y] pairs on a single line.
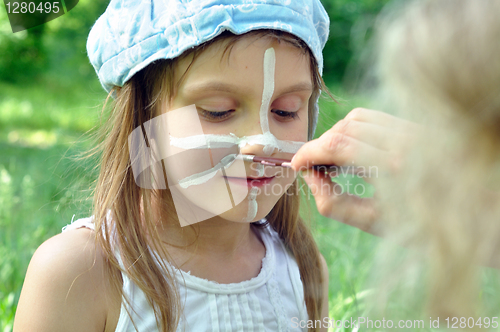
[[247, 157]]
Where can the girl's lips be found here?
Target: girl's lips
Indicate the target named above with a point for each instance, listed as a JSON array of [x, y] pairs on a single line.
[[251, 182]]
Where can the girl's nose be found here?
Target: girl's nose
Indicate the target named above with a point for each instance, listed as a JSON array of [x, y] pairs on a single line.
[[252, 127], [249, 124], [261, 150]]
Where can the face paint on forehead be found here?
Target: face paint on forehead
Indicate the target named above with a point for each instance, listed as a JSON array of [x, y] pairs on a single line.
[[267, 94]]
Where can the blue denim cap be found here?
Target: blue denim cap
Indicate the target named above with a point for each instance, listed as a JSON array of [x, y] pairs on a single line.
[[133, 33]]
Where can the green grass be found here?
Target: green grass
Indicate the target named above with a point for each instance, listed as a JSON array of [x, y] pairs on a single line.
[[347, 250], [42, 184]]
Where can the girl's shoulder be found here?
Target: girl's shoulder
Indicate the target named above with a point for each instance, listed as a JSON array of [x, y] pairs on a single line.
[[65, 286]]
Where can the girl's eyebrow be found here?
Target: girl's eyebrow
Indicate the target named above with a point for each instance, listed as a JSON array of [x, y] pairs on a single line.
[[299, 87], [197, 89], [201, 88]]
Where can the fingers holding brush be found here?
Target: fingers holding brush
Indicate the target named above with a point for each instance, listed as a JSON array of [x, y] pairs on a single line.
[[373, 141], [334, 148], [335, 203], [366, 138]]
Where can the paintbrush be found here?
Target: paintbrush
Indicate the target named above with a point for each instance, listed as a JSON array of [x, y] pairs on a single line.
[[288, 164]]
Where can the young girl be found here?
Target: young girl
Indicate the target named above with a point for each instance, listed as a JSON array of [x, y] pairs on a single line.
[[250, 72]]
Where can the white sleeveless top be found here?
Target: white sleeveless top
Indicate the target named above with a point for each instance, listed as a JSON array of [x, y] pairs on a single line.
[[267, 302]]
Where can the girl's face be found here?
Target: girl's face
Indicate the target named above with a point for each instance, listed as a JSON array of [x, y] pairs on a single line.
[[229, 92]]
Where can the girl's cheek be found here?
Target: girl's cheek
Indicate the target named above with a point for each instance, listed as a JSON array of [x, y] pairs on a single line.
[[292, 130]]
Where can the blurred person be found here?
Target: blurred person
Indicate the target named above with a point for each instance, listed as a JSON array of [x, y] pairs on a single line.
[[438, 67]]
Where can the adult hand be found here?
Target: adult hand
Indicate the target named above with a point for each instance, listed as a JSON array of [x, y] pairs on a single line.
[[364, 138]]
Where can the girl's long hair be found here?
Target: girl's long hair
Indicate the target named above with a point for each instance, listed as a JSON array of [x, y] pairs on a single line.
[[440, 66], [124, 218]]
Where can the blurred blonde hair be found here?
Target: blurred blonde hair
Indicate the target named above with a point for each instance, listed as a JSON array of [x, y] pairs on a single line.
[[439, 65]]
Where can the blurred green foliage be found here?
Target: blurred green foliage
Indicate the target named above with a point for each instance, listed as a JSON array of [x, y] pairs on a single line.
[[22, 57], [351, 25], [56, 48]]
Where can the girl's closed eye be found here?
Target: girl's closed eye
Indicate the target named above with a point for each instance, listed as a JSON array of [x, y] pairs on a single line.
[[284, 116], [215, 116], [287, 108]]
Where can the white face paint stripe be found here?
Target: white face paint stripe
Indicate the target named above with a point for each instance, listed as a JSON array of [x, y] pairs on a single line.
[[268, 91], [228, 141], [203, 141], [252, 204], [267, 139], [203, 177], [260, 170], [267, 94]]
